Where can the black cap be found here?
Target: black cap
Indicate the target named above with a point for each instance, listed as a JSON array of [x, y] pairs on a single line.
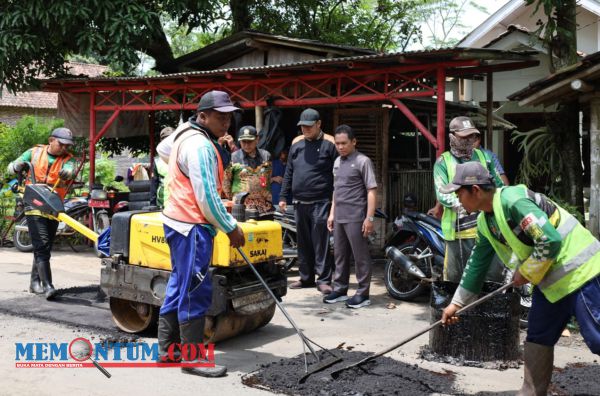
[[247, 132], [216, 100], [468, 174], [309, 117], [64, 135]]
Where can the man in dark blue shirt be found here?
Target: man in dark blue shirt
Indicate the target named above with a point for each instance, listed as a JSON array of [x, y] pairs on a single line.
[[308, 180]]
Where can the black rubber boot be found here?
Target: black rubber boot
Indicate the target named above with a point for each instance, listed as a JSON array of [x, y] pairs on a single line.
[[192, 332], [46, 279], [34, 284], [168, 334]]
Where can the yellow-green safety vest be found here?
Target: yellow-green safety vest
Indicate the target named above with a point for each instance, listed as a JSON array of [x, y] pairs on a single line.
[[578, 260], [449, 215], [162, 193]]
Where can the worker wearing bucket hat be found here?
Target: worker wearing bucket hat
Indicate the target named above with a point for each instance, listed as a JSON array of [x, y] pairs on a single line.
[[544, 245], [458, 225], [53, 165]]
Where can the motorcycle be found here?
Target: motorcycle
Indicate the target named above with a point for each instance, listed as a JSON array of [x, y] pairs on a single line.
[[104, 203], [415, 253]]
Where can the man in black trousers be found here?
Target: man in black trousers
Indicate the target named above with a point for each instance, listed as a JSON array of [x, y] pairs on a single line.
[[309, 180]]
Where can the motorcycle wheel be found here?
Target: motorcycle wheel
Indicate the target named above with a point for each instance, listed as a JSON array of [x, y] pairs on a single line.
[[289, 243], [102, 222], [398, 283], [21, 239]]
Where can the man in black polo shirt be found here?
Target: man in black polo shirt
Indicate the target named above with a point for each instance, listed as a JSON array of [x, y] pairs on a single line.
[[309, 180]]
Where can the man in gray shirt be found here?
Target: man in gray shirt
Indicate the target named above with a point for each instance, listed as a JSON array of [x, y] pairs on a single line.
[[351, 219]]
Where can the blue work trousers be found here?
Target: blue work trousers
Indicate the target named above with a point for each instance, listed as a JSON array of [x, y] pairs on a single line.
[[189, 291], [547, 320]]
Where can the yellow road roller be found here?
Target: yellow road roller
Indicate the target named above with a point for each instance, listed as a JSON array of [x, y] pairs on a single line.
[[136, 273]]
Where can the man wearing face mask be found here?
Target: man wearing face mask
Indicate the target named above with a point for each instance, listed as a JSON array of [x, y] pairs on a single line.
[[459, 227]]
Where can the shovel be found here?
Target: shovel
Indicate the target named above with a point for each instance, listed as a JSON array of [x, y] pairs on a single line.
[[335, 374], [321, 364]]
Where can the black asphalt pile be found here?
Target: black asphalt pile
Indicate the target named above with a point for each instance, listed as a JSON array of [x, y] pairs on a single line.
[[576, 380], [383, 376]]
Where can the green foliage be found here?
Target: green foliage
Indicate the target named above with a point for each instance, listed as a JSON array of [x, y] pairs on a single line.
[[37, 36], [380, 25], [28, 132], [444, 21], [541, 158]]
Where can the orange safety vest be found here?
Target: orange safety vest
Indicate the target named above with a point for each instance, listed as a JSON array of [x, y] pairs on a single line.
[[45, 174], [181, 204]]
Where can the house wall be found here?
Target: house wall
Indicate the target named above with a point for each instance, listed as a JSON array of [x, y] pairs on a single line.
[[275, 56], [587, 29], [10, 115], [506, 83]]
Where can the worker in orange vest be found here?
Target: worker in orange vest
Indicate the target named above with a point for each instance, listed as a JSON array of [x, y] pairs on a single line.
[[53, 165]]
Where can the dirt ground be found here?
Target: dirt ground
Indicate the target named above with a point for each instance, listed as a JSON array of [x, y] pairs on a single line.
[[27, 318]]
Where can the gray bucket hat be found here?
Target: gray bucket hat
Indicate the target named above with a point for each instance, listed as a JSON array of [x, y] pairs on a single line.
[[63, 135], [467, 174]]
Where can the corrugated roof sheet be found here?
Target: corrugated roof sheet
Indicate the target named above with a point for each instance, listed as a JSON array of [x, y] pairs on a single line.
[[397, 57]]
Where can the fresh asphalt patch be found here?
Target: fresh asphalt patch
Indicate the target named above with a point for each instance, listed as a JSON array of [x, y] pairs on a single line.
[[83, 308]]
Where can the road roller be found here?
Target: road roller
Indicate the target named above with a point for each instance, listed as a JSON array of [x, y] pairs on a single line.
[[134, 276]]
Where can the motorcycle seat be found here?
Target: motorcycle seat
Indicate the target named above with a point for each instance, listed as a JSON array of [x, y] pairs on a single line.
[[432, 221]]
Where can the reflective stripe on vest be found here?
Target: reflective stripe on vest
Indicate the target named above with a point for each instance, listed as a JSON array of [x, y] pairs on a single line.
[[162, 169], [577, 262], [48, 174], [449, 215], [182, 205]]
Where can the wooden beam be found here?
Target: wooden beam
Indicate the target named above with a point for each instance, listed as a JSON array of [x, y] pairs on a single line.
[[594, 221], [489, 110]]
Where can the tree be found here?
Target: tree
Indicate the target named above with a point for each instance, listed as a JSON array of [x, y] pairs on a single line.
[[36, 36], [559, 34], [444, 21]]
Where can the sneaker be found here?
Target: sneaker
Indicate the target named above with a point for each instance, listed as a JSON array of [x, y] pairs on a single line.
[[335, 297], [358, 301]]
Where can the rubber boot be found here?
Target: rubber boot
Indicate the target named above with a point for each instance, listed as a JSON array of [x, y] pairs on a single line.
[[46, 279], [192, 332], [34, 284], [168, 334], [539, 362]]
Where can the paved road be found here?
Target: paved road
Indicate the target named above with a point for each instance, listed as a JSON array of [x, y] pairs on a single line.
[[27, 318]]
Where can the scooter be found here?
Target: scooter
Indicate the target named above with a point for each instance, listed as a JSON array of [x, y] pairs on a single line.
[[104, 203], [415, 254]]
